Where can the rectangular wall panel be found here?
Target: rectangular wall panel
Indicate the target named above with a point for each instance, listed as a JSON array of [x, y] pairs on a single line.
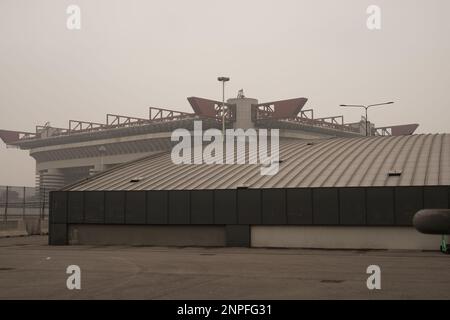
[[115, 207], [179, 207], [237, 235], [75, 207], [57, 234], [325, 206], [59, 207], [94, 207], [135, 209], [352, 202], [274, 206], [249, 206], [408, 200], [225, 207], [299, 206], [435, 197], [202, 207], [157, 207], [380, 206]]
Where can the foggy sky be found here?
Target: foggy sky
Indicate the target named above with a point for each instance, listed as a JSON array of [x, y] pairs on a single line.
[[130, 55]]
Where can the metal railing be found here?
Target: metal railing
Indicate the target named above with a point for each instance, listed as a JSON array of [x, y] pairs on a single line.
[[22, 202]]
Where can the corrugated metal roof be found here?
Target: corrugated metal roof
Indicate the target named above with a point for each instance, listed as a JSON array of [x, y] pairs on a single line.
[[414, 160]]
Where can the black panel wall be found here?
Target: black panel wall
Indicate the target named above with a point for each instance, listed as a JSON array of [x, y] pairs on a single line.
[[326, 206], [59, 207], [58, 218], [299, 206], [202, 207], [408, 200], [157, 207], [352, 206], [114, 207], [274, 206], [75, 207], [436, 197], [135, 208], [237, 235], [225, 207], [321, 206], [94, 207], [179, 207], [380, 206], [57, 234], [249, 206]]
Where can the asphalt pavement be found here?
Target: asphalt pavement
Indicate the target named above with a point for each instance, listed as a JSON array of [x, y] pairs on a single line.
[[30, 269]]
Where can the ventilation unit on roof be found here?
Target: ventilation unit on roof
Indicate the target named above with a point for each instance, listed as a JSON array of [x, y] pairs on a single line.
[[394, 173], [137, 179]]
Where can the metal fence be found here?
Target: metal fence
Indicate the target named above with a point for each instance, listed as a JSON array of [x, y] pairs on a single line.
[[22, 202]]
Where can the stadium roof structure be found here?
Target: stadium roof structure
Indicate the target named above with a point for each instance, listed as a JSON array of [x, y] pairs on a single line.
[[377, 161], [282, 114]]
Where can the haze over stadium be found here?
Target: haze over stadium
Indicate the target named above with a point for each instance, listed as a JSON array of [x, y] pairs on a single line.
[[127, 57], [234, 150]]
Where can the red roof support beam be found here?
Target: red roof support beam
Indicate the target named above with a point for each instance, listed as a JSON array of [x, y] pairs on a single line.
[[212, 108], [9, 136], [399, 130], [283, 109]]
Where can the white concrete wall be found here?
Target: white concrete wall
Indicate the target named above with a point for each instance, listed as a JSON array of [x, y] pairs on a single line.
[[340, 237]]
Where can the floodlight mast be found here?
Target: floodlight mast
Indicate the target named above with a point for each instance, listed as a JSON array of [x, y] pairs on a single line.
[[223, 80], [366, 108]]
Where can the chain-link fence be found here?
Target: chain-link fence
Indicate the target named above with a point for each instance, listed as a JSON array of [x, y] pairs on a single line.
[[22, 202]]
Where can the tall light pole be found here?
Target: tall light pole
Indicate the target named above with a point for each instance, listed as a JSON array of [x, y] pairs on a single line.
[[366, 108], [223, 80]]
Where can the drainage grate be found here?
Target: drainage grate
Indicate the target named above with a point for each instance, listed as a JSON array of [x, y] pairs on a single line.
[[331, 281]]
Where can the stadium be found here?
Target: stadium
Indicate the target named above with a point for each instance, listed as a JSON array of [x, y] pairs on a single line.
[[115, 183]]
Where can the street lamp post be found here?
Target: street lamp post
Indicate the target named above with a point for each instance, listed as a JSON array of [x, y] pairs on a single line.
[[366, 108], [223, 80]]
